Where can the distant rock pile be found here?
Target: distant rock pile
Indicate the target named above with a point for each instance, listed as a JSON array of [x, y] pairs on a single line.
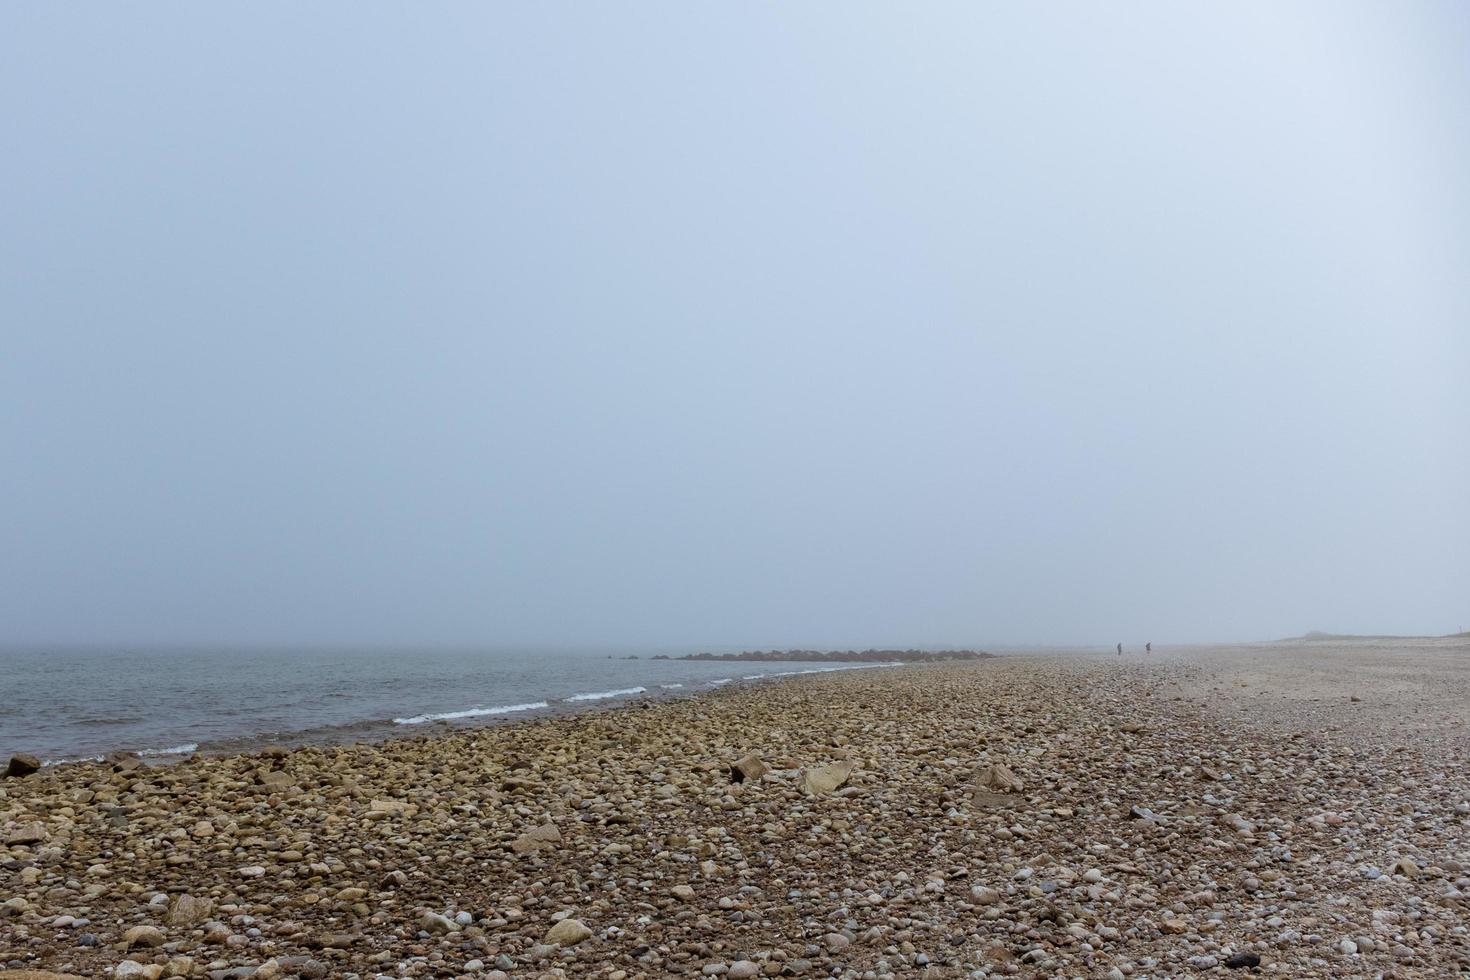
[[841, 656]]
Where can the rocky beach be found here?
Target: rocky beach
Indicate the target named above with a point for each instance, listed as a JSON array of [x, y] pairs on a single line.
[[1290, 810]]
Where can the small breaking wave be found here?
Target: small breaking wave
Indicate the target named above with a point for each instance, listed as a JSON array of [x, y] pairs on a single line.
[[722, 680], [670, 687], [504, 709], [184, 749], [600, 695]]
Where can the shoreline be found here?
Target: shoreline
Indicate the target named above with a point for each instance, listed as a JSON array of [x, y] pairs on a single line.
[[378, 730], [1071, 815]]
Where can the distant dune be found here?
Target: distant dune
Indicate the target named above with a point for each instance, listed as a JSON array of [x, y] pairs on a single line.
[[1319, 635]]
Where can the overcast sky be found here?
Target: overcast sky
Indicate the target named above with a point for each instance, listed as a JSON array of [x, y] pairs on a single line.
[[742, 324]]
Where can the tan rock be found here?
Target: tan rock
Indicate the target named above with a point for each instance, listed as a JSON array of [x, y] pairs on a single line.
[[187, 910], [179, 966], [122, 761], [146, 936], [998, 778], [539, 838], [568, 932], [1238, 824], [133, 970], [379, 809], [439, 924], [749, 767], [27, 833], [820, 780]]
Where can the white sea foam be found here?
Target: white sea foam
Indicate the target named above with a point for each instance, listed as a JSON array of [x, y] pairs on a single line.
[[752, 677], [503, 709], [184, 749], [600, 695], [828, 670], [670, 687], [723, 680]]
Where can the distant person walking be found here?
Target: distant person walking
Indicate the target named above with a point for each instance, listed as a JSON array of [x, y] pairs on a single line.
[[1120, 649], [1148, 647]]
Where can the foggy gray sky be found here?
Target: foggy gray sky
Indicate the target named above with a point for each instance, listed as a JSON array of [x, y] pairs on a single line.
[[692, 325]]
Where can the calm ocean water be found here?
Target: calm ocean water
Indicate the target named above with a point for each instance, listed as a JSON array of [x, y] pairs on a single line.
[[72, 705]]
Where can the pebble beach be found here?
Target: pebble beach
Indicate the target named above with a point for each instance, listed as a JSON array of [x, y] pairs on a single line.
[[1033, 816]]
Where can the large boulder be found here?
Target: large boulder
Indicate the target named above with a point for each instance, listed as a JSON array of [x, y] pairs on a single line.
[[22, 764], [751, 766], [188, 910], [133, 970], [568, 932], [383, 809], [275, 779], [536, 839], [438, 924], [147, 936], [998, 778], [821, 780], [27, 833], [123, 761]]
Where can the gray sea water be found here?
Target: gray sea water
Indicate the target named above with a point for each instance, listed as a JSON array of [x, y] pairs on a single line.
[[65, 706]]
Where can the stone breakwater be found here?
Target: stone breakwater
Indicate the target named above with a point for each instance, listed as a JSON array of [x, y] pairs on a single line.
[[1024, 817]]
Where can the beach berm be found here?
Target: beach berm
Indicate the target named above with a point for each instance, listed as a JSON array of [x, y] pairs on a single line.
[[1030, 816]]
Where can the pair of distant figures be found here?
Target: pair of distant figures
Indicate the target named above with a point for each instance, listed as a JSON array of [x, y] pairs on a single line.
[[1147, 648]]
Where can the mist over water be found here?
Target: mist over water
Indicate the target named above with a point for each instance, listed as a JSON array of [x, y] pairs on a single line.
[[757, 326]]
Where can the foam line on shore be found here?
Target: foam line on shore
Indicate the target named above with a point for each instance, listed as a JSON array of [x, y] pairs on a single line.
[[828, 670], [603, 695], [504, 709], [184, 749]]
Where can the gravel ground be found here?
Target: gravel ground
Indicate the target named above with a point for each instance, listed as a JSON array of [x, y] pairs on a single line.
[[1050, 816], [1413, 693]]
